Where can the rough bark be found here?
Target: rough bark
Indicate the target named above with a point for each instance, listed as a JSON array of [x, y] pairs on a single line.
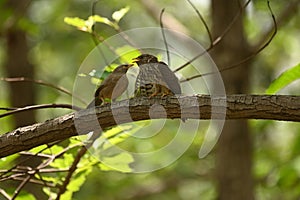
[[236, 107]]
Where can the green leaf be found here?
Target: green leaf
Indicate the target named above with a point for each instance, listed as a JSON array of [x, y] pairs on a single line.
[[116, 130], [67, 195], [63, 163], [81, 24], [78, 179], [53, 150], [118, 162], [284, 79], [25, 196], [118, 15], [103, 20], [8, 161], [75, 21]]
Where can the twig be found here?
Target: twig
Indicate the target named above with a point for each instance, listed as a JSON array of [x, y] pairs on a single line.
[[4, 194], [94, 35], [73, 167], [19, 188], [36, 181], [282, 18], [203, 22], [40, 82], [41, 106], [31, 172], [247, 58], [28, 158], [217, 40], [164, 36], [259, 49]]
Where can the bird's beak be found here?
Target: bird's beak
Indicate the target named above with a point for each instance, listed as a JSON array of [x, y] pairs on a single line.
[[135, 60]]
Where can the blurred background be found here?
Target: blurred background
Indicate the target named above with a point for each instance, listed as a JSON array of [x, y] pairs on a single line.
[[254, 159]]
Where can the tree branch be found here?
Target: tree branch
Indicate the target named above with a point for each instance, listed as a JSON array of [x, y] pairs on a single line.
[[283, 18], [279, 107]]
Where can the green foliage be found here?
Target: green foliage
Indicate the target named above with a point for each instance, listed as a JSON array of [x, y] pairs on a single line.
[[76, 182], [25, 196], [119, 162], [284, 79], [87, 25], [7, 162], [78, 23], [118, 15]]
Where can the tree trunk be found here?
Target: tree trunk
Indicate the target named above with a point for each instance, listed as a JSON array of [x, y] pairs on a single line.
[[234, 150], [21, 93], [17, 65]]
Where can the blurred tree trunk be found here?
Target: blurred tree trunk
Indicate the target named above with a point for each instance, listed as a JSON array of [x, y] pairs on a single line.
[[234, 150], [21, 93], [17, 65]]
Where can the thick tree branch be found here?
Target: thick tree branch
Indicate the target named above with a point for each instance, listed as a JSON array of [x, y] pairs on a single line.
[[280, 107]]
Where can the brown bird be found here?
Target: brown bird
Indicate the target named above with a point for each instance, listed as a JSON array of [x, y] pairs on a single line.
[[112, 87], [155, 78]]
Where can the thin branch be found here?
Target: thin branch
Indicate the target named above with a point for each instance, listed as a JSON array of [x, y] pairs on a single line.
[[41, 155], [19, 188], [95, 38], [7, 109], [47, 170], [247, 58], [40, 82], [282, 19], [259, 49], [203, 22], [98, 38], [217, 40], [30, 173], [53, 157], [164, 35], [77, 159], [26, 159], [36, 181], [4, 194], [41, 106], [13, 176]]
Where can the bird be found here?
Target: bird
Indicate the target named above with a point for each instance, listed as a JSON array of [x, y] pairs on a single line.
[[112, 87], [155, 78]]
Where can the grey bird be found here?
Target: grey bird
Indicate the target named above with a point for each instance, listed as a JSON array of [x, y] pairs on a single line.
[[155, 78]]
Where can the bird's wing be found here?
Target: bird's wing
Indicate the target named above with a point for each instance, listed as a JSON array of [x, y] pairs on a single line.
[[110, 78], [98, 90], [169, 77]]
